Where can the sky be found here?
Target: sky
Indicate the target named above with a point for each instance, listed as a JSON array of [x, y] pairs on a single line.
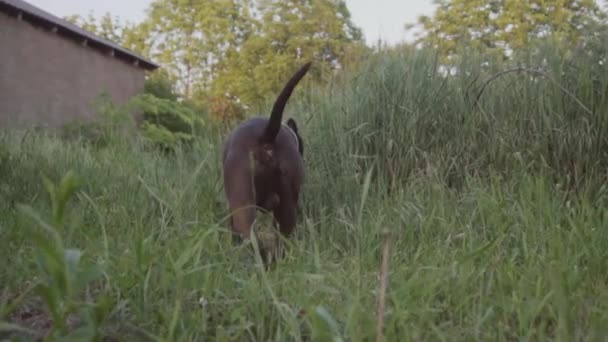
[[384, 19]]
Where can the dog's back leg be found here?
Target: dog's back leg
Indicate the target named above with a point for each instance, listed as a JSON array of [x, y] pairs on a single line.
[[239, 190], [285, 213]]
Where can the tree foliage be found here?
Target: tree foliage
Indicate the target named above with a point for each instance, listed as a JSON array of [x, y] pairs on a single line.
[[107, 26], [231, 55], [287, 33], [190, 37], [499, 27]]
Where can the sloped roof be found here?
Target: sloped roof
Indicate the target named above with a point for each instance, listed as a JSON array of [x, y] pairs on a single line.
[[32, 13]]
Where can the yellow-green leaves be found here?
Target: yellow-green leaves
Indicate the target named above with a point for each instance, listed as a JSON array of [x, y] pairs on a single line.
[[497, 27]]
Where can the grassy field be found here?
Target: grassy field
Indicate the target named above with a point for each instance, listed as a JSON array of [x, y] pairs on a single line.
[[495, 212]]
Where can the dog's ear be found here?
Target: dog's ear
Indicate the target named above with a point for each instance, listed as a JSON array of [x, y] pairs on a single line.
[[291, 123]]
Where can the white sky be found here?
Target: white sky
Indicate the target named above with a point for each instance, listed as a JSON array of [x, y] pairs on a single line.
[[378, 18]]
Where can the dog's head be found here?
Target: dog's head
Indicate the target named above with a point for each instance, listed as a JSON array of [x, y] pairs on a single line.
[[291, 123]]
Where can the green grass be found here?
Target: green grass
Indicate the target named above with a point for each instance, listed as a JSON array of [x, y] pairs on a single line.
[[496, 215]]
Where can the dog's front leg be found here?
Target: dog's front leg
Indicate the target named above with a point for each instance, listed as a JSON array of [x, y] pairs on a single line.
[[286, 217]]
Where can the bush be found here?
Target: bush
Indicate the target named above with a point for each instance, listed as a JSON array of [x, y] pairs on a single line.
[[167, 122], [161, 85], [163, 137]]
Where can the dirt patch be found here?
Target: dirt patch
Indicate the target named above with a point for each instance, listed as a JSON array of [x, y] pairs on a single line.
[[33, 316]]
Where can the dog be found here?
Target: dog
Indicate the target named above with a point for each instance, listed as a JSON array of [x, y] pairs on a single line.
[[263, 167]]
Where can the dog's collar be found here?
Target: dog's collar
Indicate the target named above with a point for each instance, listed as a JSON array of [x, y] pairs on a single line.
[[295, 136]]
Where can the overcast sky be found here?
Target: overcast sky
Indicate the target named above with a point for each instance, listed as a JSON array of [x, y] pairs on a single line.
[[378, 18]]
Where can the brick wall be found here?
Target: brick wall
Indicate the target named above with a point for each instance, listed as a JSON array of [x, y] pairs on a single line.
[[47, 80]]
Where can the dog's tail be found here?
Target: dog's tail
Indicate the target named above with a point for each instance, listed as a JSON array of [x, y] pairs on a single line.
[[274, 124]]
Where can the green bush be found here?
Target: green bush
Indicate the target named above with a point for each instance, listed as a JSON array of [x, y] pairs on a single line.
[[167, 122], [161, 85], [163, 137]]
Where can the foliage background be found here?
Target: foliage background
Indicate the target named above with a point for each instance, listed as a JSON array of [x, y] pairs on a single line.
[[488, 174]]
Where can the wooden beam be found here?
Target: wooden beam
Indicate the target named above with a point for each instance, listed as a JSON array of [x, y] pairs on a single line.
[[19, 15], [136, 62], [85, 42], [54, 29], [111, 53]]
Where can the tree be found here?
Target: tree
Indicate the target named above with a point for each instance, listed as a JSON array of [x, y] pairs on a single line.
[[129, 35], [189, 37], [500, 26], [228, 55], [107, 27], [287, 33], [89, 23]]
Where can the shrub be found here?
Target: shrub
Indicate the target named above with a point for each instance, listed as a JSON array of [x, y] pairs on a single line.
[[167, 122], [161, 85]]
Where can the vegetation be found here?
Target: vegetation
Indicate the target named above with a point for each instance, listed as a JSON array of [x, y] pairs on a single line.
[[480, 174], [225, 55], [495, 210], [500, 27]]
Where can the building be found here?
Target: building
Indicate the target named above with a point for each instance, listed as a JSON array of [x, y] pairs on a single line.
[[51, 71]]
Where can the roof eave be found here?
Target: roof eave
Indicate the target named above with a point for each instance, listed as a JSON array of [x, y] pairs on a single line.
[[141, 62]]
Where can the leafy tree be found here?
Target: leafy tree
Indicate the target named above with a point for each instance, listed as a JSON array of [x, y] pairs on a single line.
[[499, 27], [129, 35], [287, 33], [88, 23], [108, 27], [228, 55], [189, 37]]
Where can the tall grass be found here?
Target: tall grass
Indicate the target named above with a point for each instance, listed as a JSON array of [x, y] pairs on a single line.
[[495, 212], [404, 115]]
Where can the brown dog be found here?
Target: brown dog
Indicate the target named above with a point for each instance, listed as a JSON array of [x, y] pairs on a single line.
[[263, 167]]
